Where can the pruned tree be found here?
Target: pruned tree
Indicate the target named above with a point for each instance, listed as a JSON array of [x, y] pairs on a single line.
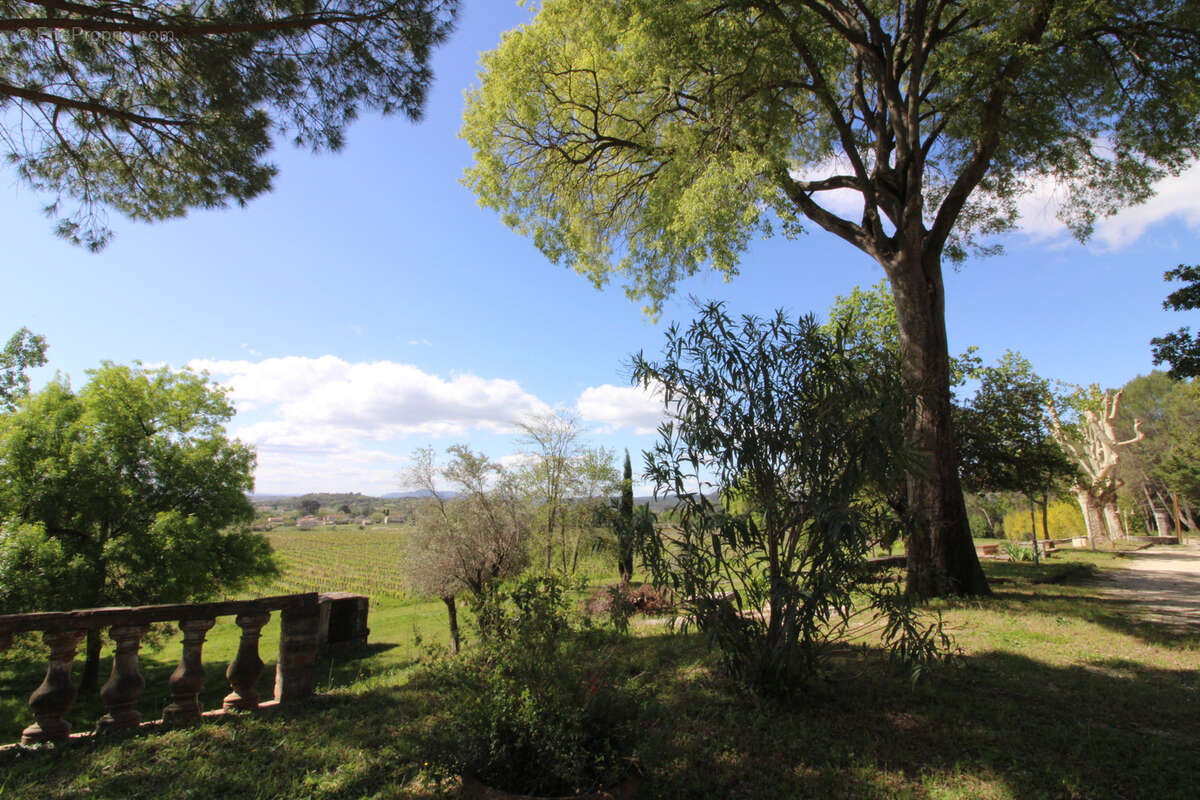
[[651, 139], [1093, 444], [467, 543], [153, 109]]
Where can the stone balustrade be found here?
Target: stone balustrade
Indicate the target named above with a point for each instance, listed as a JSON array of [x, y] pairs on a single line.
[[304, 628]]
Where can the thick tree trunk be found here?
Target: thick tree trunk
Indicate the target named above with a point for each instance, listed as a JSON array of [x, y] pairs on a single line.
[[941, 554], [452, 611], [1112, 516], [1097, 532]]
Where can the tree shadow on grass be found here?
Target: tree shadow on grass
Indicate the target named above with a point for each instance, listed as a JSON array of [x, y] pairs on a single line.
[[1001, 726]]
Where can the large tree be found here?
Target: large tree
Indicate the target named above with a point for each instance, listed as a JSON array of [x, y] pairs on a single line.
[[653, 138], [154, 108], [130, 490]]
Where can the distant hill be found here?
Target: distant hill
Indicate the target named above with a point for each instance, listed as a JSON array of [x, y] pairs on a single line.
[[362, 502], [414, 495]]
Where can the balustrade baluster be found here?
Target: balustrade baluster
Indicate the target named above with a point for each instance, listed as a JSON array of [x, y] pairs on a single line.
[[246, 667], [188, 677], [123, 688], [296, 672], [52, 700]]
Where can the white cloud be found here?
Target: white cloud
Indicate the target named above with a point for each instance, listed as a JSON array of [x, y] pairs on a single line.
[[622, 406], [325, 424], [1175, 197], [846, 202], [326, 398]]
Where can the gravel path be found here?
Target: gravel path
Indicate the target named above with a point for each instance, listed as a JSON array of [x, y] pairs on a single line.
[[1163, 581]]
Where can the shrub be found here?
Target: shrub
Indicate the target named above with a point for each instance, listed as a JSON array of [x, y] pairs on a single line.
[[799, 434], [534, 709]]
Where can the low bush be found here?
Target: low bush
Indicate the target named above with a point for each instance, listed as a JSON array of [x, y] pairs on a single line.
[[536, 708]]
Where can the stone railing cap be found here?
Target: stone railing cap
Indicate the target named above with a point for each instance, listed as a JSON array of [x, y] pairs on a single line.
[[85, 619]]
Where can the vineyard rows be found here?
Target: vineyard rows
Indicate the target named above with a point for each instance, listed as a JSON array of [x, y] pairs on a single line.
[[340, 560]]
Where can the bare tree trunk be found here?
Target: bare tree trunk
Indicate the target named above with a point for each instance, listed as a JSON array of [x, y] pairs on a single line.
[[1045, 516], [987, 518], [1033, 528], [1112, 516], [1097, 533], [941, 554], [1162, 515], [1186, 514], [452, 611], [89, 681]]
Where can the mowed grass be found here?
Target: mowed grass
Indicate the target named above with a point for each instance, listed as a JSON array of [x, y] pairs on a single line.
[[1059, 693]]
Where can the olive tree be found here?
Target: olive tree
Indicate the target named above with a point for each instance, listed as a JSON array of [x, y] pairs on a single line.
[[650, 139], [469, 535]]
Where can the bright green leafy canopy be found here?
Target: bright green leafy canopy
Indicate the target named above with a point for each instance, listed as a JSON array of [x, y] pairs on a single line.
[[23, 351], [652, 138], [152, 108], [126, 492]]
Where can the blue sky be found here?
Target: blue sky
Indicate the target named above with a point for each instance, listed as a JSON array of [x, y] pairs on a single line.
[[368, 306]]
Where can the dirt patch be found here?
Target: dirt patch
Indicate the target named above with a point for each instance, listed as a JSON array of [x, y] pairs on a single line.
[[1163, 583]]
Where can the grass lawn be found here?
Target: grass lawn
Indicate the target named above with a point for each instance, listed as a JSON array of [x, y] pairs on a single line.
[[1058, 694]]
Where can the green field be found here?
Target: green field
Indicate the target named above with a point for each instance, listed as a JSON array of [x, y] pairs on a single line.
[[340, 559], [1059, 694]]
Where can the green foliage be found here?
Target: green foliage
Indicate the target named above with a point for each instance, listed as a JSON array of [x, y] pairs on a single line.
[[133, 487], [793, 428], [1017, 552], [23, 351], [34, 567], [649, 139], [1180, 349], [523, 714], [1003, 434], [471, 542], [155, 110], [1167, 460]]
